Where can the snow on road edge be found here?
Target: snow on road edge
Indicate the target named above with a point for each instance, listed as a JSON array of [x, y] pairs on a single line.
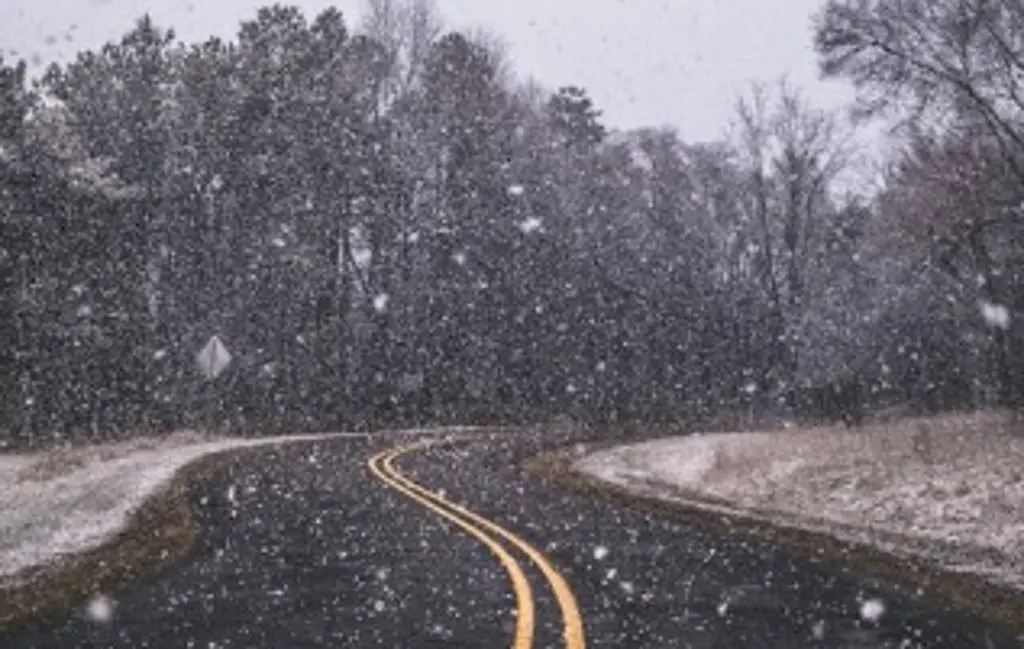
[[957, 503], [83, 507]]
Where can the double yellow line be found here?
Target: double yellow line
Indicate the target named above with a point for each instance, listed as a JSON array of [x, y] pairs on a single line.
[[487, 532]]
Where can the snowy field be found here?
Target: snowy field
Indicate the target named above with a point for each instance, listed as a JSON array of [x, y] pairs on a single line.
[[949, 489], [62, 502]]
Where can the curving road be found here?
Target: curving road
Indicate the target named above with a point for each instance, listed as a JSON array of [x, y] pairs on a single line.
[[390, 542]]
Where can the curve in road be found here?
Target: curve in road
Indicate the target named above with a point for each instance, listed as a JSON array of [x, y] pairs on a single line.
[[382, 465]]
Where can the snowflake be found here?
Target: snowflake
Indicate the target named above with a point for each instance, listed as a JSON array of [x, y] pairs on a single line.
[[872, 610], [530, 225], [100, 609], [818, 630], [995, 315]]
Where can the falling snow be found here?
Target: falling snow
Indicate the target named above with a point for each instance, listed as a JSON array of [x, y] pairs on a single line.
[[995, 315], [872, 610], [391, 224], [100, 609], [530, 225]]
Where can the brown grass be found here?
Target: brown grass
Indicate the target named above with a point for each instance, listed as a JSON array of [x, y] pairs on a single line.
[[932, 440]]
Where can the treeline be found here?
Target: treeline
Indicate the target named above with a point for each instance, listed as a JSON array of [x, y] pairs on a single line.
[[385, 228]]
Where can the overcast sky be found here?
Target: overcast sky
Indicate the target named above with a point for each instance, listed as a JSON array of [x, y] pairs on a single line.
[[645, 62]]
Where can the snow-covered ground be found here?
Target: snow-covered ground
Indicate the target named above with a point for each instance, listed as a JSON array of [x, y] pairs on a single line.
[[948, 489], [62, 502]]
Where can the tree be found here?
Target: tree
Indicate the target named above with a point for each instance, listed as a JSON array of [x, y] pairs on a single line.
[[790, 155], [934, 59], [959, 64], [14, 239], [117, 98]]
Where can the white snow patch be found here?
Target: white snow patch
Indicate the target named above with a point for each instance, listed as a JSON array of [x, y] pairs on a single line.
[[516, 190], [948, 489], [11, 465], [600, 552], [380, 303]]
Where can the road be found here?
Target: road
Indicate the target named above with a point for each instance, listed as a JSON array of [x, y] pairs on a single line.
[[376, 543]]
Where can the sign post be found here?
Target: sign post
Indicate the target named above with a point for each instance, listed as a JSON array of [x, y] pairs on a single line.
[[212, 360]]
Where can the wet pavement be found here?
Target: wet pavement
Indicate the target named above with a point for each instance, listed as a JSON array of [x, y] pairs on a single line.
[[302, 547]]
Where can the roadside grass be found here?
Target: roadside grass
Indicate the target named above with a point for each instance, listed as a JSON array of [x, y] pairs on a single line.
[[741, 501]]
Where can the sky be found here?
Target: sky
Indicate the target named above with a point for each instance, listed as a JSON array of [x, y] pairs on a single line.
[[679, 63]]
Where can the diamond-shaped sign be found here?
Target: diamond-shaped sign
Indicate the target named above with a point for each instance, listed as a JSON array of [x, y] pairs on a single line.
[[213, 358]]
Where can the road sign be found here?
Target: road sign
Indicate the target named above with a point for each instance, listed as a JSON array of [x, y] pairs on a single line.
[[213, 358]]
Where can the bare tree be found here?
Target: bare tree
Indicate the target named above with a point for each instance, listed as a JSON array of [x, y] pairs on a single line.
[[932, 58], [956, 66], [406, 29], [790, 155]]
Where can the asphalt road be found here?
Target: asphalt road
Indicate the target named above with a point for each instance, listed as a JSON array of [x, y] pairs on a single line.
[[307, 547]]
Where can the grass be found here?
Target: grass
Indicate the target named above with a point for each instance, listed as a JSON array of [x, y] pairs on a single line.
[[1000, 606], [159, 533]]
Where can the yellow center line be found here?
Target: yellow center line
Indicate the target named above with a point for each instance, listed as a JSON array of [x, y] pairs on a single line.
[[380, 466], [572, 619]]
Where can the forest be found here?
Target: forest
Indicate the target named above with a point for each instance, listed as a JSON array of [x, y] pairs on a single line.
[[386, 227]]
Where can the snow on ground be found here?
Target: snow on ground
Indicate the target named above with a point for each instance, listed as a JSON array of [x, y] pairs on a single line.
[[62, 502], [948, 489], [13, 463]]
